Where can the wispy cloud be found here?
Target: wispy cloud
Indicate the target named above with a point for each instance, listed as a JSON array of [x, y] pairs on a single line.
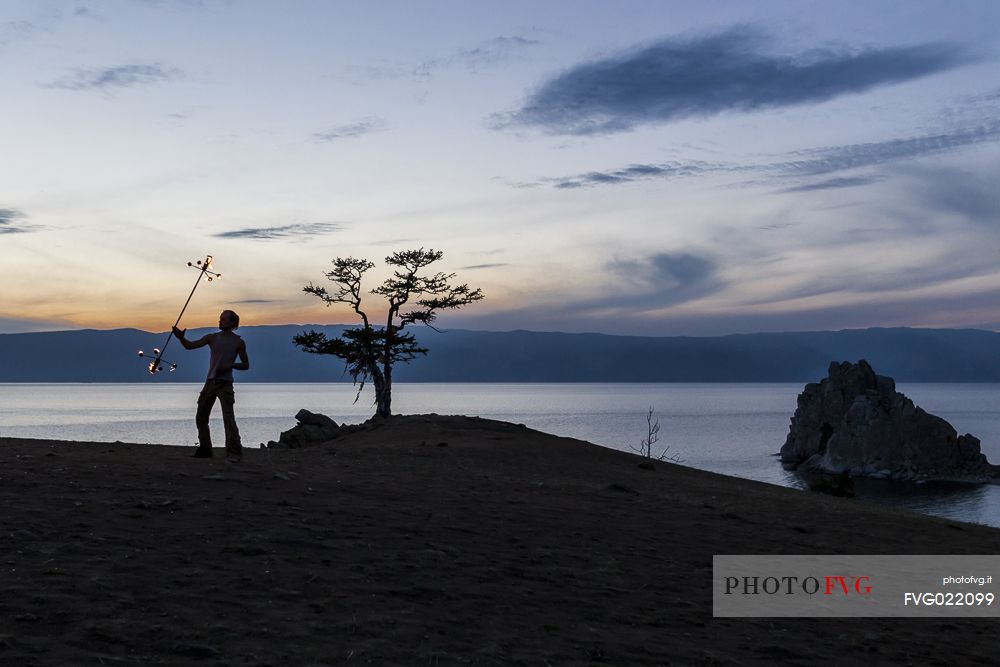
[[482, 266], [950, 265], [822, 161], [396, 242], [736, 70], [638, 286], [87, 13], [485, 55], [13, 325], [12, 222], [835, 183], [972, 196], [975, 309], [351, 130], [252, 301], [11, 31], [665, 279], [122, 76], [490, 53], [176, 5], [818, 162], [776, 226], [283, 232], [630, 173]]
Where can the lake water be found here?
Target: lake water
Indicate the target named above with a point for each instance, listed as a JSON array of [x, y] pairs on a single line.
[[732, 429]]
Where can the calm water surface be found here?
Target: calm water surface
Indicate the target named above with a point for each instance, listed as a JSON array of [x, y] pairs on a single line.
[[727, 428]]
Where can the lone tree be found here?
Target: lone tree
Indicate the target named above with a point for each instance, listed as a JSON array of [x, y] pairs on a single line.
[[370, 351], [645, 449]]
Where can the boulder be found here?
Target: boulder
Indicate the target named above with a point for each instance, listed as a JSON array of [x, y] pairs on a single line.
[[314, 419], [855, 422], [312, 429]]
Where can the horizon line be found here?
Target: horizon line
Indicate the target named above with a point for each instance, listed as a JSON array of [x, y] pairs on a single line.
[[521, 330]]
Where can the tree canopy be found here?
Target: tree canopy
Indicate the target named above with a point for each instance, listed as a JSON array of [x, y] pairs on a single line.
[[414, 296]]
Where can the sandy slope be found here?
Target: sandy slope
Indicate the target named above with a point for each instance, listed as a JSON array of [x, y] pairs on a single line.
[[504, 546]]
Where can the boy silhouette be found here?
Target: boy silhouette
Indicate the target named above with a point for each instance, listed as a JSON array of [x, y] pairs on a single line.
[[226, 346]]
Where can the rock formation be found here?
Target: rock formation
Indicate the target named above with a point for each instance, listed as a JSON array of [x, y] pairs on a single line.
[[312, 429], [855, 421]]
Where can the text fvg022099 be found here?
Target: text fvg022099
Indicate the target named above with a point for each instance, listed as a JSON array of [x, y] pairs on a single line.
[[949, 599]]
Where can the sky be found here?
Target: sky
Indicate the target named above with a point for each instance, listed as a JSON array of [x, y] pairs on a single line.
[[650, 168]]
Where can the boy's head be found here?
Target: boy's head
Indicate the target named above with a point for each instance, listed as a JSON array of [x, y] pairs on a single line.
[[229, 320]]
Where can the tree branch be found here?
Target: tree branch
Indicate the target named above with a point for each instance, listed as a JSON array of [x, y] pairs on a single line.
[[347, 274]]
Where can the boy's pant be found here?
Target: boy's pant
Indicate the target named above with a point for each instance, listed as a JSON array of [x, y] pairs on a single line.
[[223, 390]]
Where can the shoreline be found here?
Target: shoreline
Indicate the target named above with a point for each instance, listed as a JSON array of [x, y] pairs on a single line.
[[501, 546]]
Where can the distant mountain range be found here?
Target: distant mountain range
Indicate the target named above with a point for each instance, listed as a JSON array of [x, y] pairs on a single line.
[[908, 355]]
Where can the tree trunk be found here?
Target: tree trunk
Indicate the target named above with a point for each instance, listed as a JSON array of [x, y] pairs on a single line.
[[383, 394]]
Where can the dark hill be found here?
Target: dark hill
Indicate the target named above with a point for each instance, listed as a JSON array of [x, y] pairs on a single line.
[[908, 355]]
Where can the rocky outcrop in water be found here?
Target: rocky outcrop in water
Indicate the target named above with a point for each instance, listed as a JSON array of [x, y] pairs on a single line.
[[855, 422]]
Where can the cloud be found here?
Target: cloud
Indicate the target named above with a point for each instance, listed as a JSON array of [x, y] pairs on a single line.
[[14, 325], [255, 301], [660, 280], [482, 266], [122, 76], [11, 31], [949, 267], [835, 183], [351, 130], [11, 222], [628, 174], [776, 226], [822, 161], [803, 164], [969, 310], [489, 53], [485, 55], [643, 287], [972, 196], [87, 13], [670, 270], [181, 5], [734, 70], [296, 231], [396, 242]]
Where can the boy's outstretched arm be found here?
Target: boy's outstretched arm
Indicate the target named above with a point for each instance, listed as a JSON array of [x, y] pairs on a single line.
[[188, 344]]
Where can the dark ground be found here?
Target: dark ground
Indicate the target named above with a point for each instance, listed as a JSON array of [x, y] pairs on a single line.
[[503, 546]]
